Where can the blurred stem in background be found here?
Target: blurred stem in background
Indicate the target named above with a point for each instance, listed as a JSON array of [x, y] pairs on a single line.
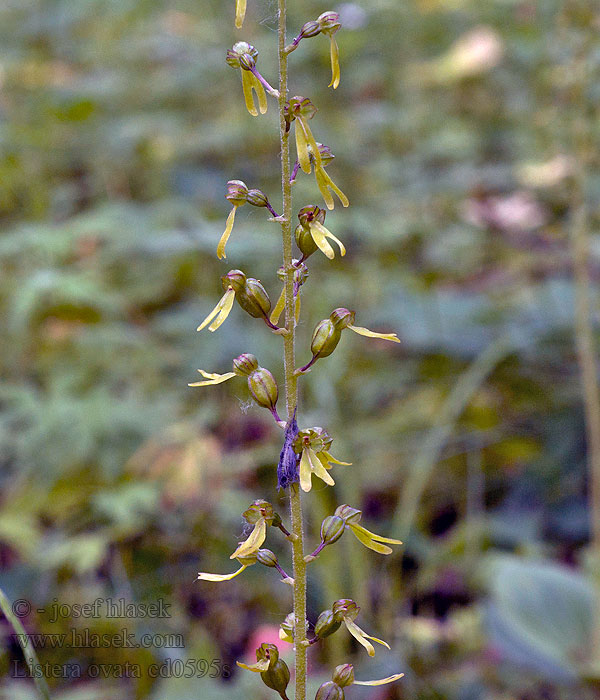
[[25, 643], [582, 145]]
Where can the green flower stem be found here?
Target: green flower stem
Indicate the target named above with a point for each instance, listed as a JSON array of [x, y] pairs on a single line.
[[291, 392], [26, 645]]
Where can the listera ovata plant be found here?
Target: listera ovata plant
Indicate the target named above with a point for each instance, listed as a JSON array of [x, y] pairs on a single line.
[[306, 452]]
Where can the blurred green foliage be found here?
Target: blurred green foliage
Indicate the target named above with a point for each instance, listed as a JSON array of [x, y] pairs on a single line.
[[120, 124]]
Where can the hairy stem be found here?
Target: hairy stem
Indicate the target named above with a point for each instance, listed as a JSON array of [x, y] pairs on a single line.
[[291, 393]]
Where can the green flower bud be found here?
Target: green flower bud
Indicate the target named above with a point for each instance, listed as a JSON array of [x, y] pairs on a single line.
[[263, 388], [235, 279], [344, 675], [254, 299], [277, 677], [342, 318], [245, 364], [304, 240], [345, 607], [348, 514], [326, 624], [310, 29], [330, 691], [241, 50], [332, 528], [329, 22], [257, 198], [237, 192], [267, 558], [325, 339]]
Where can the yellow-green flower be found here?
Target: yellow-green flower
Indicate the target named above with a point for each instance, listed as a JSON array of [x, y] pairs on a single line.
[[212, 378], [260, 514], [240, 13], [254, 541], [273, 671], [344, 676], [243, 56], [346, 611], [299, 110], [286, 629], [328, 332], [325, 184], [311, 226], [329, 23], [245, 563], [300, 277], [351, 516], [313, 445], [220, 312]]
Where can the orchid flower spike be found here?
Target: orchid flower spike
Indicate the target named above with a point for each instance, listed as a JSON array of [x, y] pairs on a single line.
[[313, 446], [311, 233]]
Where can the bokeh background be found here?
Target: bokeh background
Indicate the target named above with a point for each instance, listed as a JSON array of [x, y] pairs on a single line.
[[464, 137]]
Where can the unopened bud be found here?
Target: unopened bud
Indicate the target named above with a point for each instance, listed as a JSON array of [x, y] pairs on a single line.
[[342, 318], [332, 528], [326, 624], [343, 675], [263, 388], [330, 691], [237, 192], [325, 338], [304, 240], [329, 22], [310, 29], [267, 558], [235, 279], [245, 364], [277, 677], [253, 298], [257, 198]]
